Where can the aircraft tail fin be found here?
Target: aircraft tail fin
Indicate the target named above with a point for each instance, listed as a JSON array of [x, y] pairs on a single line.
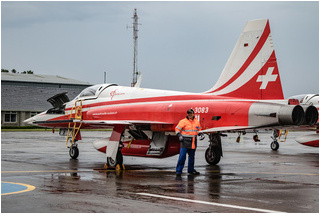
[[251, 71]]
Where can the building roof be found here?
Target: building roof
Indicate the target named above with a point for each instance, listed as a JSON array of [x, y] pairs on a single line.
[[32, 98], [37, 78], [22, 92]]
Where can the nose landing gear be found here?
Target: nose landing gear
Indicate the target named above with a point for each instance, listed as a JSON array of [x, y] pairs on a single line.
[[74, 151]]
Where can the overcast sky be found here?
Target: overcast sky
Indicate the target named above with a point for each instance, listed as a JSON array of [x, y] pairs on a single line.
[[182, 46]]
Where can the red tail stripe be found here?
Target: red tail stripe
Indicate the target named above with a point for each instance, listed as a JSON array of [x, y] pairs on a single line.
[[253, 55]]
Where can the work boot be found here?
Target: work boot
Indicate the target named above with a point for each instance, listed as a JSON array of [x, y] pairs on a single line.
[[195, 172], [178, 174]]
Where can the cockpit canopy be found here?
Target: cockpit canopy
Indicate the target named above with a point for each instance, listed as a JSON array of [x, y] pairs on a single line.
[[90, 91], [93, 91]]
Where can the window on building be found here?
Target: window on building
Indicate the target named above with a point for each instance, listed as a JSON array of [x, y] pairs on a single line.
[[10, 117]]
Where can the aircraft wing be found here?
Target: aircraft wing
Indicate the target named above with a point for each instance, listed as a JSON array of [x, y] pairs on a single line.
[[241, 128], [227, 128], [95, 123], [123, 122], [305, 128]]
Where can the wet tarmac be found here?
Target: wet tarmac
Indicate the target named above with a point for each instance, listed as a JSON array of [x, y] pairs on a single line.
[[249, 178]]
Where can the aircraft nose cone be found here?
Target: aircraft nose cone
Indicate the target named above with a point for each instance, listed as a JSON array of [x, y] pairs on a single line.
[[29, 121]]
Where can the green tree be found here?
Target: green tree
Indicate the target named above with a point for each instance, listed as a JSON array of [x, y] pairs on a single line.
[[27, 72]]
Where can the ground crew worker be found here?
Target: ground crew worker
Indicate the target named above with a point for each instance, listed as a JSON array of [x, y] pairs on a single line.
[[187, 131]]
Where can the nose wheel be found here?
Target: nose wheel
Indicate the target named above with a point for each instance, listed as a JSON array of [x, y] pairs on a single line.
[[74, 152]]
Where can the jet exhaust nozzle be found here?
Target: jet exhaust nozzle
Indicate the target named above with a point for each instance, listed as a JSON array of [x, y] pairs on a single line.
[[291, 115], [311, 115], [267, 114]]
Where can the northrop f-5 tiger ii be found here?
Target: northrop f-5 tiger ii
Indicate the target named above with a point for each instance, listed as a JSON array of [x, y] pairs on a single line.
[[247, 96]]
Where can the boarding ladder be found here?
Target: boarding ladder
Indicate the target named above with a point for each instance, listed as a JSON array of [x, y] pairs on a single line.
[[282, 133], [76, 116]]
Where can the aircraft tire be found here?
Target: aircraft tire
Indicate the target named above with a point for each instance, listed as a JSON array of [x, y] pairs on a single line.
[[74, 152], [274, 145], [213, 155], [119, 160]]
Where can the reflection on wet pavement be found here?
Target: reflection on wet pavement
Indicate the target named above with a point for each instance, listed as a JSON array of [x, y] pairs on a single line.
[[249, 177]]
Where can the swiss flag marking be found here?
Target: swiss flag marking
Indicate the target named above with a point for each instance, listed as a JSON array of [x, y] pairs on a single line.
[[268, 77]]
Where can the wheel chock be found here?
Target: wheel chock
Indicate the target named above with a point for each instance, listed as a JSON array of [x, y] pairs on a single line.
[[105, 166], [117, 168]]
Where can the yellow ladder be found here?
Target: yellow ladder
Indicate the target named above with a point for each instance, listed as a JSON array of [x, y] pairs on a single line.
[[281, 134], [74, 130]]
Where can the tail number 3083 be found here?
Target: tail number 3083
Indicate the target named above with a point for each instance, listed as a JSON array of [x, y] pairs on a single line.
[[201, 110]]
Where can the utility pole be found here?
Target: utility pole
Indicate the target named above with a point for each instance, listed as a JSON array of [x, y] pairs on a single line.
[[135, 48]]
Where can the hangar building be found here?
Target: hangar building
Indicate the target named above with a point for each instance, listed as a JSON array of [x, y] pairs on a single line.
[[25, 95]]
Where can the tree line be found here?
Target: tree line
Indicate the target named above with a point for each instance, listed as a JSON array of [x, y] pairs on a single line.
[[14, 71]]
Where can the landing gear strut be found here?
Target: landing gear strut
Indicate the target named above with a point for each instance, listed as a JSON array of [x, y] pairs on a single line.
[[214, 152], [274, 144], [113, 153]]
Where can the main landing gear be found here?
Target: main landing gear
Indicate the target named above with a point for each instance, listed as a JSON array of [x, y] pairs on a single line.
[[277, 134], [117, 164], [113, 153], [214, 152], [274, 145]]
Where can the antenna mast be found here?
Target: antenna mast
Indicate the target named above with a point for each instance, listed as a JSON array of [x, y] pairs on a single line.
[[135, 48]]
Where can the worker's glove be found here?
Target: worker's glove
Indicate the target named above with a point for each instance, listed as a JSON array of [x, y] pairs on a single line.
[[180, 136], [201, 136]]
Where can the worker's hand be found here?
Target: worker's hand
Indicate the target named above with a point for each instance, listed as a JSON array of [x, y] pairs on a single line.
[[201, 135], [180, 136]]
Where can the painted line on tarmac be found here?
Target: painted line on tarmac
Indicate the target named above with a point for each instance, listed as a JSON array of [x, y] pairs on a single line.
[[78, 171], [63, 171], [210, 203], [271, 173], [8, 188]]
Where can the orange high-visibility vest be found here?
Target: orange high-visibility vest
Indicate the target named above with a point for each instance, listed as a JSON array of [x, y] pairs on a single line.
[[189, 128]]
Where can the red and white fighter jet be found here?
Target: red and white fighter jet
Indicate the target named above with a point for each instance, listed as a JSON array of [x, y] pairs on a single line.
[[248, 95]]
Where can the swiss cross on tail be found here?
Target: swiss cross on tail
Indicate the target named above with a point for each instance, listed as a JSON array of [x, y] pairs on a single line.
[[267, 81], [251, 71], [268, 77]]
